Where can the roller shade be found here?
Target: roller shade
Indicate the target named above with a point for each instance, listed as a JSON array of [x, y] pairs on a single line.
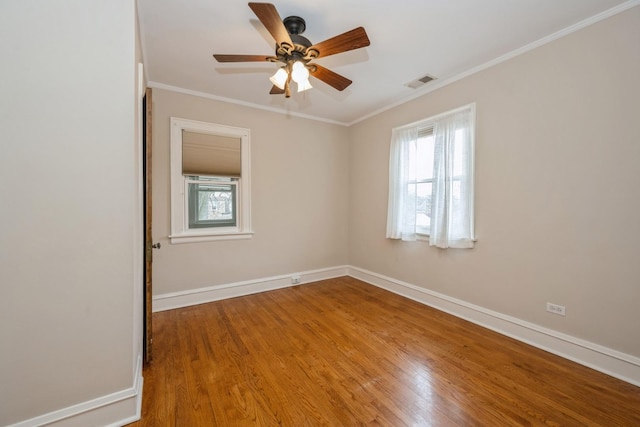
[[207, 154], [425, 131]]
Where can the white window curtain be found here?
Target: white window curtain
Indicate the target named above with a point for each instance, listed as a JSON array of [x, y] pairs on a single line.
[[401, 214], [452, 200], [452, 197]]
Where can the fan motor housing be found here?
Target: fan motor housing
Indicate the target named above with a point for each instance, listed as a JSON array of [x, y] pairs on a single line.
[[298, 39], [295, 25]]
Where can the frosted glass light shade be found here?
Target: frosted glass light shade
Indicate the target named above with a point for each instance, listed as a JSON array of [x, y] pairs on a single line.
[[304, 85], [299, 72], [280, 78]]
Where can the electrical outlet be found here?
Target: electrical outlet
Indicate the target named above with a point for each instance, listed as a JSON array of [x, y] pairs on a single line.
[[556, 309], [295, 279]]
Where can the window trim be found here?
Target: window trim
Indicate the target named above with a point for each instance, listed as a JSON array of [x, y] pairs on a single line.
[[180, 231]]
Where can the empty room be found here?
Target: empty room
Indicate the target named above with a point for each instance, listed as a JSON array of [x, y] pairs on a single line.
[[337, 213]]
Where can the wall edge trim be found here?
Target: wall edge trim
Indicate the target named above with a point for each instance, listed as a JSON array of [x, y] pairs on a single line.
[[606, 360], [127, 404], [603, 359], [177, 89], [447, 80], [170, 301]]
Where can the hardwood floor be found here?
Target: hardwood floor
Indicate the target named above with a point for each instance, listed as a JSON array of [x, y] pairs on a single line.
[[344, 353]]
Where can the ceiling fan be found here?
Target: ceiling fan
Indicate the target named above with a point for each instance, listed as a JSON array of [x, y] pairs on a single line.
[[296, 52]]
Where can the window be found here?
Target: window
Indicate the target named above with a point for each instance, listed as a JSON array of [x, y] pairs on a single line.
[[421, 182], [212, 201], [431, 180], [210, 177]]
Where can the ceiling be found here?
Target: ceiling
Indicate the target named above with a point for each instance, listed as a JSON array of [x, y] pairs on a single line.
[[409, 39]]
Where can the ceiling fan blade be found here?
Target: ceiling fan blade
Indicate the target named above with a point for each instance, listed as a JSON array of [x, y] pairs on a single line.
[[241, 58], [354, 39], [329, 77], [275, 90], [268, 15]]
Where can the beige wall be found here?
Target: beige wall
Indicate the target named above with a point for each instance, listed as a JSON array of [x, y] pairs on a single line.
[[67, 178], [557, 198], [298, 198], [557, 188]]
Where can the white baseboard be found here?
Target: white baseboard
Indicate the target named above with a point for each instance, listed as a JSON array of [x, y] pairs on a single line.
[[173, 300], [611, 362], [113, 410], [619, 365]]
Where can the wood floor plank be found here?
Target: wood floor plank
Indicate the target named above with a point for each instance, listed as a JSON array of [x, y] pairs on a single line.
[[344, 353]]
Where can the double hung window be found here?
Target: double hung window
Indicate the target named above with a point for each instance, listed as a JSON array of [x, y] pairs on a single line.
[[210, 177], [431, 180]]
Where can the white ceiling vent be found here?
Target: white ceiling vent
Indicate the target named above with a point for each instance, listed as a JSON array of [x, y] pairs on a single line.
[[420, 82]]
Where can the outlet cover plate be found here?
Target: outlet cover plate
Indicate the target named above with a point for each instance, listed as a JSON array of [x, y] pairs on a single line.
[[556, 309]]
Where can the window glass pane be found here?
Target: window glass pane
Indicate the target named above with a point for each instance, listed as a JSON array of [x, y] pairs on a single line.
[[424, 158], [212, 202], [423, 206], [412, 161]]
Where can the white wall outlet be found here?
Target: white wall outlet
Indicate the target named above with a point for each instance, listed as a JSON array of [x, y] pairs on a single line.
[[295, 279], [556, 309]]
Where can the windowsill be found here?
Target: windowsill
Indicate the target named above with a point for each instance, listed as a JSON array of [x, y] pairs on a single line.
[[208, 236]]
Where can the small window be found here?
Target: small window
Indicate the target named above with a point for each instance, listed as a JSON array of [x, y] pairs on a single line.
[[212, 201], [210, 182]]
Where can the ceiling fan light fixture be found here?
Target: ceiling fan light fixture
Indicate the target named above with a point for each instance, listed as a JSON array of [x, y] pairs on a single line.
[[296, 51], [280, 78], [304, 85], [299, 72]]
